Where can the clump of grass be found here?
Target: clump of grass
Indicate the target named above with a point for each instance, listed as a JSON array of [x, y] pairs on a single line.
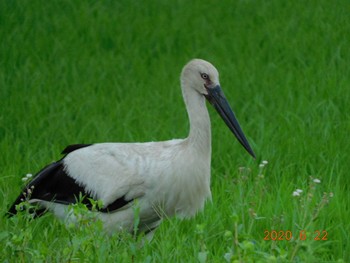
[[310, 205], [203, 251], [291, 236], [241, 245], [82, 239], [21, 231]]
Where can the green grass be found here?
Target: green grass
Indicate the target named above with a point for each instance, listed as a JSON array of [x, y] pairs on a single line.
[[86, 71]]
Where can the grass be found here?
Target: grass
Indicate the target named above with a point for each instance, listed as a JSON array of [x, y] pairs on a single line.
[[86, 71]]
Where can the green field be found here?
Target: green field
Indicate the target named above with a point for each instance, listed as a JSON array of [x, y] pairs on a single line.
[[101, 71]]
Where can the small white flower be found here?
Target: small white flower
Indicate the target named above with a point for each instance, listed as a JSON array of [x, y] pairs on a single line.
[[24, 179], [265, 162], [261, 165], [299, 191], [317, 181], [29, 175], [295, 193]]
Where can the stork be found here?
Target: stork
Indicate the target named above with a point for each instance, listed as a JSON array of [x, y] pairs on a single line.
[[166, 178]]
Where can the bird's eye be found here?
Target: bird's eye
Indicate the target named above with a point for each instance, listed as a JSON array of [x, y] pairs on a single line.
[[204, 76]]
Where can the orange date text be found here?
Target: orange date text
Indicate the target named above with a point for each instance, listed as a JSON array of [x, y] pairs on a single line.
[[280, 235]]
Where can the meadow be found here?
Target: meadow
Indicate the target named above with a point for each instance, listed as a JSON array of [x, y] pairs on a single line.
[[102, 71]]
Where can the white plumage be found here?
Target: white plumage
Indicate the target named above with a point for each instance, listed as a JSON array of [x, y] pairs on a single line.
[[167, 178]]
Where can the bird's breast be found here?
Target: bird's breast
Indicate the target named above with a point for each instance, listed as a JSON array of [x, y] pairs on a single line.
[[186, 186]]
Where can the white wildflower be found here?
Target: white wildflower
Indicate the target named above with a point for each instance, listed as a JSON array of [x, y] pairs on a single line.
[[24, 179], [29, 175], [265, 162], [295, 193], [317, 181], [299, 191]]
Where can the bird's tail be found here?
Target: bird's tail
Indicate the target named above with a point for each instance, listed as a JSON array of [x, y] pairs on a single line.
[[27, 191]]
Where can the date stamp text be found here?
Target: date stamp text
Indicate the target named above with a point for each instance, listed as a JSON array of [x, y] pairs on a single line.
[[280, 235]]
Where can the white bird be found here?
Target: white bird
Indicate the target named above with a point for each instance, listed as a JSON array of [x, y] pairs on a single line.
[[166, 178]]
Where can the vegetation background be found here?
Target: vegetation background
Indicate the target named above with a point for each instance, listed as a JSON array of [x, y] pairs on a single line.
[[97, 71]]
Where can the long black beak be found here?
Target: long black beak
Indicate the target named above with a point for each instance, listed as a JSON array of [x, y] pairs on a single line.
[[217, 98]]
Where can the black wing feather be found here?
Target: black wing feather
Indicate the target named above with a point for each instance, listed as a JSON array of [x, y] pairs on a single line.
[[73, 147], [53, 184]]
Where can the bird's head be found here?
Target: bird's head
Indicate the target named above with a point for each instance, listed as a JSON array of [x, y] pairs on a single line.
[[203, 77], [200, 75]]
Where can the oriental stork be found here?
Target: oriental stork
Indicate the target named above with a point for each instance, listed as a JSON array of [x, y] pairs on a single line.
[[166, 178]]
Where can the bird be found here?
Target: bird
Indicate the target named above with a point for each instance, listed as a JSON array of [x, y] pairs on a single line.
[[163, 179]]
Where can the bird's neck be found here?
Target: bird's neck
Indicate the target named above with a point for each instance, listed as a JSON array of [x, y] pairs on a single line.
[[200, 131]]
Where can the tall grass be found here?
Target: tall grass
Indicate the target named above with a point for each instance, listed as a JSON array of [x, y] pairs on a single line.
[[86, 71]]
